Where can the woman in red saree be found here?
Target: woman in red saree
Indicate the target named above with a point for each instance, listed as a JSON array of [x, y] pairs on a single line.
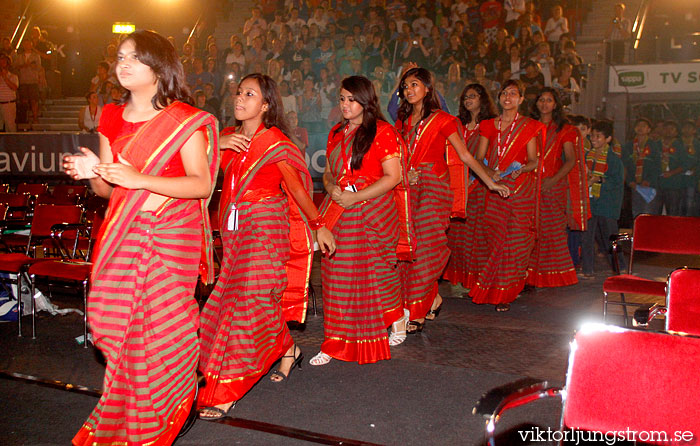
[[510, 144], [475, 105], [366, 208], [550, 262], [435, 141], [266, 212], [157, 163]]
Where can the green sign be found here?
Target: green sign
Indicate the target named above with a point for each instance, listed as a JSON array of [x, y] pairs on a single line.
[[631, 79]]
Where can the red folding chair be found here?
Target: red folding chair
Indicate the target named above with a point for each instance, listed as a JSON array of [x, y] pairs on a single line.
[[18, 206], [618, 380], [73, 269], [68, 193], [35, 189], [15, 264], [657, 234], [682, 309], [4, 188]]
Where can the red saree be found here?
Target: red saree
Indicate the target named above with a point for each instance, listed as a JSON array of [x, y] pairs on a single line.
[[431, 205], [244, 328], [361, 287], [462, 230], [578, 207], [141, 309], [550, 262], [508, 222]]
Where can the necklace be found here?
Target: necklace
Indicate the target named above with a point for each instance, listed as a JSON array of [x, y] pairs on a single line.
[[501, 150]]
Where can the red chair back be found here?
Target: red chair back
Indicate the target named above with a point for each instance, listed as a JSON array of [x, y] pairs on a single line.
[[664, 234], [47, 215], [622, 380], [61, 190], [32, 188], [14, 200], [683, 301], [4, 188]]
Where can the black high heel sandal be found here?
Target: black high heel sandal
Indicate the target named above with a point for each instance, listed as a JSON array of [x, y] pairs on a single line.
[[296, 363], [433, 314], [414, 327]]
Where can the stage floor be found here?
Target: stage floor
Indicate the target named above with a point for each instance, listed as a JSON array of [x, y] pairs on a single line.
[[423, 395]]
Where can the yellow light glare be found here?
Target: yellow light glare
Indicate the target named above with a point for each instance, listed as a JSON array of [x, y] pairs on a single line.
[[123, 28]]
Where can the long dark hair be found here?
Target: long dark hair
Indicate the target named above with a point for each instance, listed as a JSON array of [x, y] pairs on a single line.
[[487, 109], [558, 114], [363, 93], [430, 101], [274, 116], [159, 54]]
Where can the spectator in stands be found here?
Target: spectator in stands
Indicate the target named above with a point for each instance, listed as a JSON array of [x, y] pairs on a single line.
[[89, 116], [115, 95], [256, 54], [278, 22], [289, 100], [319, 19], [567, 87], [514, 9], [526, 22], [642, 160], [213, 69], [344, 55], [200, 101], [415, 51], [545, 61], [228, 103], [111, 57], [295, 22], [234, 52], [27, 64], [493, 87], [524, 39], [456, 53], [187, 57], [570, 56], [422, 24], [6, 47], [255, 26], [198, 77], [212, 98], [533, 80], [321, 55], [556, 26], [296, 83], [532, 10], [8, 95], [491, 12], [516, 61], [98, 83], [299, 135], [483, 57], [618, 34]]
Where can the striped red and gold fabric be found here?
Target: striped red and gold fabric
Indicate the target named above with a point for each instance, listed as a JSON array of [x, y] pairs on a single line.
[[361, 288], [550, 263], [244, 327], [462, 231], [578, 206], [141, 307], [508, 222], [431, 207]]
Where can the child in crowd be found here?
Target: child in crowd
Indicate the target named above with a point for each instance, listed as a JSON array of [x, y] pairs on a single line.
[[299, 135], [692, 148], [583, 124], [674, 163], [605, 179], [642, 159]]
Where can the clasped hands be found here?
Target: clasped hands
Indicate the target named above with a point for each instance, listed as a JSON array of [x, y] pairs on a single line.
[[87, 166], [344, 198]]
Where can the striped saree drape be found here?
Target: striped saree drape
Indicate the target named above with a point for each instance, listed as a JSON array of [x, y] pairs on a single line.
[[141, 307]]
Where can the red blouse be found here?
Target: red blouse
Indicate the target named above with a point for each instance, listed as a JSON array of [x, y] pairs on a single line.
[[119, 132]]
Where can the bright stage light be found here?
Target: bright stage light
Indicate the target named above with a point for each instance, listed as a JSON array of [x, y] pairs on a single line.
[[123, 28]]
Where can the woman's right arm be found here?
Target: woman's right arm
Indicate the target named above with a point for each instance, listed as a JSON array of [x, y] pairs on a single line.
[[80, 166], [81, 120], [329, 182]]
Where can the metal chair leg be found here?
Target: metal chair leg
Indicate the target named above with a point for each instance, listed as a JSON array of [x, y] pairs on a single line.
[[85, 326], [19, 303], [33, 291], [624, 307], [312, 293]]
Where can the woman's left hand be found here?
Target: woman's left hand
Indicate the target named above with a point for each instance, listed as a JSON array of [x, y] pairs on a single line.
[[516, 173], [346, 199], [120, 174], [502, 190], [325, 240]]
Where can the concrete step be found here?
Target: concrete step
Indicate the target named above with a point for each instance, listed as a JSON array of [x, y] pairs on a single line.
[[71, 101], [61, 113], [51, 120], [56, 127]]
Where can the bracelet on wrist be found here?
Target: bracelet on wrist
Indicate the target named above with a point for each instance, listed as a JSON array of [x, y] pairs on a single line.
[[317, 223]]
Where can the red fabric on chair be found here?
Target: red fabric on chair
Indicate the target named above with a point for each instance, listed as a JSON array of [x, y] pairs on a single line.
[[11, 263], [661, 233], [683, 301], [627, 283], [32, 188], [626, 379]]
